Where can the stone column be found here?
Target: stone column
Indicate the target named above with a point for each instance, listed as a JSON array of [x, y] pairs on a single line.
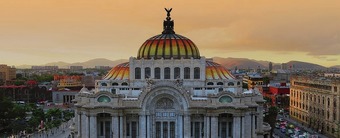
[[247, 125], [148, 126], [236, 127], [83, 125], [179, 126], [214, 126], [260, 119], [93, 126], [87, 126], [253, 130], [115, 125], [243, 127], [121, 126], [187, 126], [79, 127], [142, 126], [207, 126]]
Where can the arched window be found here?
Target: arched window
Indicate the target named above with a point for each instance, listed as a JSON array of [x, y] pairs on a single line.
[[103, 84], [323, 100], [157, 73], [147, 72], [230, 84], [210, 83], [197, 73], [238, 83], [137, 73], [186, 73], [167, 73], [220, 83], [124, 84], [328, 102], [177, 73], [104, 99], [115, 84]]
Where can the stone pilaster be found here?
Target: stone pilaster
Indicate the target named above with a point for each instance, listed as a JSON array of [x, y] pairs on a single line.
[[207, 126], [87, 126], [260, 119], [115, 125], [179, 126], [121, 126], [93, 126], [187, 126], [148, 126], [83, 125], [247, 125], [236, 127], [253, 132], [142, 126], [78, 114], [214, 126]]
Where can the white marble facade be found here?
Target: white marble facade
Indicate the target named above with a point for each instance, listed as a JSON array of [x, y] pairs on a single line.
[[179, 95]]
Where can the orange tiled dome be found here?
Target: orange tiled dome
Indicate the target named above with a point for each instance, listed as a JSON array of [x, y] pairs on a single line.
[[119, 72], [216, 71]]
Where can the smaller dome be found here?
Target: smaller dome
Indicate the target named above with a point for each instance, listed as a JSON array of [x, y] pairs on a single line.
[[119, 72], [215, 71]]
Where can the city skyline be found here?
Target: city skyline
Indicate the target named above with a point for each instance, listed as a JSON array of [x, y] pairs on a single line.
[[37, 32]]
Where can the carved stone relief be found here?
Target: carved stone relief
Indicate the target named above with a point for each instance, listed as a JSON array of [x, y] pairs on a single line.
[[165, 103]]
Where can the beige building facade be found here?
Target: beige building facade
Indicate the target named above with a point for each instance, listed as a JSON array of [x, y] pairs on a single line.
[[7, 73], [315, 102]]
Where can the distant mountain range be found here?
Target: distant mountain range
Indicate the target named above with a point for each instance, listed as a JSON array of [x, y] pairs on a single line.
[[87, 64], [229, 63]]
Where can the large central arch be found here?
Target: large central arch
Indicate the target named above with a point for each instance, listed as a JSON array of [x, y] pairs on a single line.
[[179, 99], [165, 107]]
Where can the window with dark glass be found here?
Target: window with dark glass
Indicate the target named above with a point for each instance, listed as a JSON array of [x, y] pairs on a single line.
[[157, 73], [220, 83], [147, 72], [104, 84], [137, 73], [124, 84], [165, 129], [115, 84], [197, 73], [113, 91], [177, 73], [210, 83], [158, 129], [172, 129], [167, 73], [186, 73]]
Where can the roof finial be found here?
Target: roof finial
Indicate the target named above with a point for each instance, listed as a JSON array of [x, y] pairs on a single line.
[[168, 24]]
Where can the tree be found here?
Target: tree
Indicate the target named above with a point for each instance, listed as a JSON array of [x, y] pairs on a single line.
[[12, 116], [54, 118], [270, 118], [37, 115]]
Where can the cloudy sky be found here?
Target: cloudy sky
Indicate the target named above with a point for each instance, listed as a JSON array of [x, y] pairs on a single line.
[[42, 31]]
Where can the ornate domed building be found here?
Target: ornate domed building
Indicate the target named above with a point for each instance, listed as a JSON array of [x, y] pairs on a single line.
[[169, 91]]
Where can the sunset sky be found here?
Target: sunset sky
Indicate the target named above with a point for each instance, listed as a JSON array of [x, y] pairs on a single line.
[[36, 32]]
